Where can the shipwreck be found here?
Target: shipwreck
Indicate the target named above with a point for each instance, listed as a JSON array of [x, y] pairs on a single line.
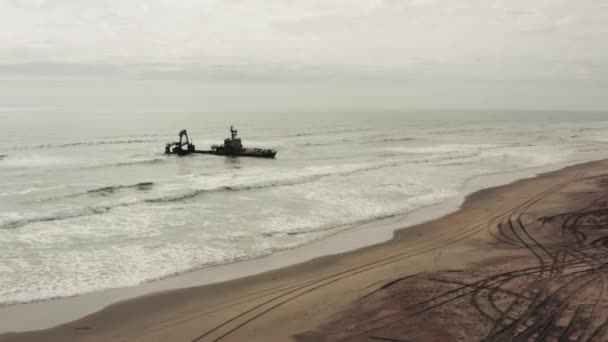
[[232, 146]]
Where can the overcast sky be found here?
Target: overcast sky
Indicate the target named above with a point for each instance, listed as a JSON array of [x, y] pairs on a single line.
[[392, 53]]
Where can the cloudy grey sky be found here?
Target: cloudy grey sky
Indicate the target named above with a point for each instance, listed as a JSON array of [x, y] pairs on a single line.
[[341, 53]]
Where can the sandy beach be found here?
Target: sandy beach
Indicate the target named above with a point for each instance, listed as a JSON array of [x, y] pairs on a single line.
[[306, 171], [525, 260]]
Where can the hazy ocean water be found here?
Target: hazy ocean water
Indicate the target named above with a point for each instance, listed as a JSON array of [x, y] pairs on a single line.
[[89, 202]]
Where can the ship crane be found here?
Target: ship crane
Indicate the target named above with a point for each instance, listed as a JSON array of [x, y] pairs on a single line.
[[182, 147], [183, 134]]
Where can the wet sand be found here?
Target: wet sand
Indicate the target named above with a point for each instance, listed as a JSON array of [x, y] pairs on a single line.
[[521, 261]]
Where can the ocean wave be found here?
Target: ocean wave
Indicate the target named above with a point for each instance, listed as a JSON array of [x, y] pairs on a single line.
[[256, 186], [313, 144], [140, 162], [103, 191], [343, 171], [308, 134], [323, 229], [330, 228], [349, 130], [3, 156], [145, 135], [443, 149], [386, 140], [421, 201], [327, 143], [154, 161], [64, 215], [85, 143], [585, 129], [460, 131], [30, 190], [108, 190], [80, 212]]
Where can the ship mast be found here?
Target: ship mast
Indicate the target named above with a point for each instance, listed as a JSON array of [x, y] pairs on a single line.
[[233, 132]]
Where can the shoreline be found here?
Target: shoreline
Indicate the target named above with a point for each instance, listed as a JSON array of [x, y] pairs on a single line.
[[35, 316]]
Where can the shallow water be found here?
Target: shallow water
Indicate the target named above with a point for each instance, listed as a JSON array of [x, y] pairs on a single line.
[[89, 202]]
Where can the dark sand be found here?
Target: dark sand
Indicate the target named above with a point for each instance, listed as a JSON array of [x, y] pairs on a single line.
[[525, 261]]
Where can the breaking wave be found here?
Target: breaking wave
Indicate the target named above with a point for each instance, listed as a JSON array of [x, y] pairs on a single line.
[[328, 143], [385, 140], [349, 130], [308, 134], [270, 184], [262, 185], [14, 224], [85, 143], [31, 190], [108, 190], [146, 135], [367, 140], [81, 212], [129, 163], [313, 144], [460, 131], [141, 162], [314, 175], [104, 191]]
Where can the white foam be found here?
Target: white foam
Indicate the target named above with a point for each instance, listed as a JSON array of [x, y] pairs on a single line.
[[31, 190], [215, 210], [132, 245], [31, 161], [443, 148]]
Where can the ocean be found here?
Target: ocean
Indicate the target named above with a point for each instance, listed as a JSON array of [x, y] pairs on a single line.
[[88, 200]]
